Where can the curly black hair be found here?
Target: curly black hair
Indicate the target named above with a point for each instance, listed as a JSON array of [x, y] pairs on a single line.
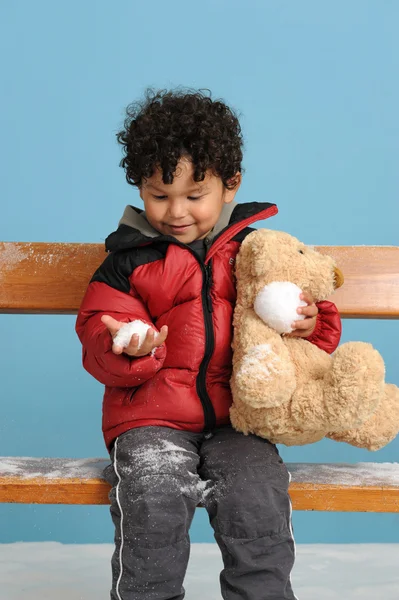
[[169, 125]]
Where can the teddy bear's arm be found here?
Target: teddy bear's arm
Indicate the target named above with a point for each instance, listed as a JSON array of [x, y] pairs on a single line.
[[327, 333], [263, 372]]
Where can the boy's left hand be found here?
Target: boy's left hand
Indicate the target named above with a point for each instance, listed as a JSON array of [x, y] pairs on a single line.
[[305, 327]]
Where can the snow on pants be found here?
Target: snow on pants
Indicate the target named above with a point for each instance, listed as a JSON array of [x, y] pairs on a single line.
[[159, 475]]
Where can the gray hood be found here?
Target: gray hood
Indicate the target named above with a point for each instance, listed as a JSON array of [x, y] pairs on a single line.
[[135, 218]]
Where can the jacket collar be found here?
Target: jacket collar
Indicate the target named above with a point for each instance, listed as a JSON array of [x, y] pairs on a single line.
[[134, 230]]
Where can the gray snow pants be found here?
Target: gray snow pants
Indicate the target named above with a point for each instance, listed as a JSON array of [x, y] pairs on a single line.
[[159, 475]]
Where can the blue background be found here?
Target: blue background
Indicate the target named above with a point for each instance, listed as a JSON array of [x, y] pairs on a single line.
[[316, 85]]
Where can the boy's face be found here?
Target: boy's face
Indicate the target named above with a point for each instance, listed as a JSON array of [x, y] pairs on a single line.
[[185, 209]]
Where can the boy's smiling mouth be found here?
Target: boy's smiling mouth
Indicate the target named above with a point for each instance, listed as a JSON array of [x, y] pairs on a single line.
[[179, 227]]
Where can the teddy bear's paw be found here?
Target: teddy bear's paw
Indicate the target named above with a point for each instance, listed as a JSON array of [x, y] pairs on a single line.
[[262, 379], [300, 438], [380, 429], [354, 386]]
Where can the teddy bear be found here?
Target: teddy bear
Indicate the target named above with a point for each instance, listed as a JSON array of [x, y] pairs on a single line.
[[286, 389]]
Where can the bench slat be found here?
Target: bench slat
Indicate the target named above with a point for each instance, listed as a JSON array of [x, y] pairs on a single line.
[[46, 278], [52, 278], [371, 288], [361, 487]]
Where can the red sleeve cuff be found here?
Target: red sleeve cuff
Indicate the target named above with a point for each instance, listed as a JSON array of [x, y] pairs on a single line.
[[327, 333]]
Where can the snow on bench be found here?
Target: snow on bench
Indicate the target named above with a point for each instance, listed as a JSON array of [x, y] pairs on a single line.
[[361, 487]]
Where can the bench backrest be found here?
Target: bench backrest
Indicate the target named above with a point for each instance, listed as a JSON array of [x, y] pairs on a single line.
[[52, 278]]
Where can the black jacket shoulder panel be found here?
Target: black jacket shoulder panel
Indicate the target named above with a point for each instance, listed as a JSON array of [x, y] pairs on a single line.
[[241, 235], [125, 237], [118, 266], [242, 212], [248, 209]]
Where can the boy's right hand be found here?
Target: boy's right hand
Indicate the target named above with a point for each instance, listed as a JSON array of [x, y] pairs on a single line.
[[152, 339]]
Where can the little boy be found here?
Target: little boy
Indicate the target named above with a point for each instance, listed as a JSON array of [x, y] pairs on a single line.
[[166, 402]]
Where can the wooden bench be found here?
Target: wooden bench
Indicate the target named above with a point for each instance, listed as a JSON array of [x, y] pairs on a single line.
[[33, 279]]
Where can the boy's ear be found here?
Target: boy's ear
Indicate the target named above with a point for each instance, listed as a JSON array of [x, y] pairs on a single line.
[[235, 183], [236, 180]]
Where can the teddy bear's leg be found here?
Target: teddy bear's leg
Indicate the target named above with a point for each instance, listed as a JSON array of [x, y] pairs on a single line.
[[274, 424], [354, 385], [308, 413], [380, 429], [268, 423], [238, 420], [263, 372]]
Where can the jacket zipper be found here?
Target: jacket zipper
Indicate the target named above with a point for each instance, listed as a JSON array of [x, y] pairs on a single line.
[[207, 308]]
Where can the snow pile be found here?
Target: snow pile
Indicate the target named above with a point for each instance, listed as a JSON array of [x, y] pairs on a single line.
[[29, 467]]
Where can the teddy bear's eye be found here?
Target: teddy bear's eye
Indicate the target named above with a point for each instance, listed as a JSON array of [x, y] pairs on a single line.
[[301, 252]]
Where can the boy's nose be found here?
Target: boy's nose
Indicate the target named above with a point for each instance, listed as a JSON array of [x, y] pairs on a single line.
[[177, 210]]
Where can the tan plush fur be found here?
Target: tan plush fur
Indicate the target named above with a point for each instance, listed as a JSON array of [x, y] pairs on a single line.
[[288, 390]]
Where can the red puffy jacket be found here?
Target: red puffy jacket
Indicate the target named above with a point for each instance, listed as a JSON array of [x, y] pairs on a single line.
[[157, 279]]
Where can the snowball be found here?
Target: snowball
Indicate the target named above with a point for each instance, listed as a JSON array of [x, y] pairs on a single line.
[[277, 303], [125, 333]]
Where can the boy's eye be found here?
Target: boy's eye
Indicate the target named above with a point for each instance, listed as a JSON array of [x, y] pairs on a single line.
[[162, 197]]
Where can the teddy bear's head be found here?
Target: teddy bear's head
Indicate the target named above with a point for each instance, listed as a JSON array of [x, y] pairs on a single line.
[[268, 256]]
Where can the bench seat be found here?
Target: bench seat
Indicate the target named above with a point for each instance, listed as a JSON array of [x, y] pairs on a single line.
[[361, 487]]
